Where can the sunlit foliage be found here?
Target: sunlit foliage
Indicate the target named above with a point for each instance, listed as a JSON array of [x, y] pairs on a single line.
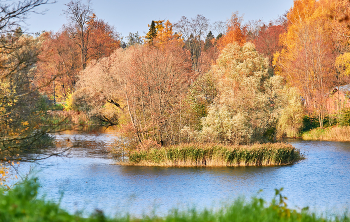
[[249, 100]]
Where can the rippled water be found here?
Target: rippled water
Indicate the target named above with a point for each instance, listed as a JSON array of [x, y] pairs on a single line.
[[90, 180]]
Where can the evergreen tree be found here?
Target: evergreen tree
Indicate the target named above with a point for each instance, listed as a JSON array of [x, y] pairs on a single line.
[[208, 41], [219, 36], [152, 33]]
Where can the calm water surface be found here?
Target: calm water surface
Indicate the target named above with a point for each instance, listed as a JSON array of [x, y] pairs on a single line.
[[90, 180]]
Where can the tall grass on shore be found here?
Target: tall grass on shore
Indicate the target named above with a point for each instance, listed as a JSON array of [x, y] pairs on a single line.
[[214, 155], [22, 204], [335, 133]]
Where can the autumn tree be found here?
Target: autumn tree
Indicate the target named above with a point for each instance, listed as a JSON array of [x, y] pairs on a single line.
[[148, 84], [219, 27], [66, 53], [236, 32], [58, 65], [166, 36], [247, 103], [339, 13], [267, 38], [79, 16], [200, 97], [103, 40], [194, 32], [19, 99], [20, 125], [94, 37], [154, 28], [308, 54]]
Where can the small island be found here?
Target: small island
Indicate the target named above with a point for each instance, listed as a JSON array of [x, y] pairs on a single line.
[[215, 155]]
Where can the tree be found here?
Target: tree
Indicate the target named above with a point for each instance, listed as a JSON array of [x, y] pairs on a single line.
[[199, 98], [152, 33], [166, 36], [219, 27], [19, 99], [148, 84], [290, 121], [193, 32], [308, 55], [66, 53], [19, 120], [248, 101], [103, 40], [267, 39], [11, 14], [134, 39], [58, 65], [209, 41], [340, 13], [236, 32], [79, 16]]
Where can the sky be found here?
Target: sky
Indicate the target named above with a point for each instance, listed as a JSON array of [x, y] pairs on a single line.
[[135, 15]]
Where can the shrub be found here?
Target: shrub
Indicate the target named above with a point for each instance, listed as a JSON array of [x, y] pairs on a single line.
[[345, 117]]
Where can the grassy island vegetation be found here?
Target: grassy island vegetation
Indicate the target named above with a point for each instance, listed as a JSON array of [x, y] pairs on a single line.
[[211, 155], [22, 204]]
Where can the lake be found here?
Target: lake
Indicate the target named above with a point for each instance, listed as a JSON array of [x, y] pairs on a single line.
[[89, 179]]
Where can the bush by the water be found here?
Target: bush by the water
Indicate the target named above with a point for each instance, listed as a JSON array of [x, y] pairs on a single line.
[[216, 155], [21, 204]]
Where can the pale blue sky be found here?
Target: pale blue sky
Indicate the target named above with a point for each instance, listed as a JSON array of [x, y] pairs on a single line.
[[134, 15]]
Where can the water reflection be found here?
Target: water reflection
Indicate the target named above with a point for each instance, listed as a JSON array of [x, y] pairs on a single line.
[[90, 180]]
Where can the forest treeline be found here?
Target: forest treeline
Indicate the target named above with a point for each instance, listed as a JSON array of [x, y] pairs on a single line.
[[232, 82]]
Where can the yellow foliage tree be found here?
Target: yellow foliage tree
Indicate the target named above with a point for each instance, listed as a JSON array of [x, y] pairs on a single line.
[[308, 55], [342, 64], [162, 34]]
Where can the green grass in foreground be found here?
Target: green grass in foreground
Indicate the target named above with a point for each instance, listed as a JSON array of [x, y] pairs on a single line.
[[216, 155], [21, 204]]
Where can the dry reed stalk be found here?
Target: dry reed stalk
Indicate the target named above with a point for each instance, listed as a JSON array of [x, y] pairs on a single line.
[[336, 133]]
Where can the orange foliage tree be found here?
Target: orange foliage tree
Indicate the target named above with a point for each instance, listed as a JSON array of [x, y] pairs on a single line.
[[267, 40], [66, 53], [164, 35], [236, 32], [103, 40], [146, 83], [58, 65]]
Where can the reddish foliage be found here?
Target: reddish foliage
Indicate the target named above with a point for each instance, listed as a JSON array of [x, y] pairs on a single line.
[[267, 41]]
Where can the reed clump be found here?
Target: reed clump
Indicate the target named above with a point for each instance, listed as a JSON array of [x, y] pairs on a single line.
[[215, 155], [335, 133], [23, 204]]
